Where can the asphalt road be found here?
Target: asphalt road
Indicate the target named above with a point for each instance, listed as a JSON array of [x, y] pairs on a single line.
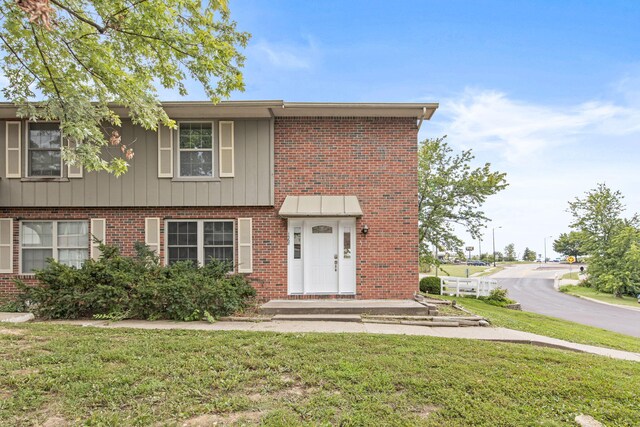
[[532, 286]]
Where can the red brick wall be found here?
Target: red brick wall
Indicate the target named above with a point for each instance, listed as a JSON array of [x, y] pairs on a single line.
[[372, 158]]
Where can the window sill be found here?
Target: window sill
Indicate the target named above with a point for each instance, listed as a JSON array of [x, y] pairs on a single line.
[[195, 179], [44, 179]]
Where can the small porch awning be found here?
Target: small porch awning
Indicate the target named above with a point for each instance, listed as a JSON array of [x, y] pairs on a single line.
[[301, 206]]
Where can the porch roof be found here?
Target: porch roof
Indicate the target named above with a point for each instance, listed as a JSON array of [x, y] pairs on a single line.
[[307, 206]]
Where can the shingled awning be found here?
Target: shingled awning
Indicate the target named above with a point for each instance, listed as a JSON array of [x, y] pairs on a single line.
[[307, 206]]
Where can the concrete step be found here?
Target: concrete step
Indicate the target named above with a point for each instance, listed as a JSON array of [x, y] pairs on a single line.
[[318, 317], [16, 317], [379, 307]]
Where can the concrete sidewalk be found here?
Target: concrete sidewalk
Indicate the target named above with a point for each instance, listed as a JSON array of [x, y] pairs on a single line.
[[487, 334]]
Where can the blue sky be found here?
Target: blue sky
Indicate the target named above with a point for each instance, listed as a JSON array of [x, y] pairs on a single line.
[[547, 91]]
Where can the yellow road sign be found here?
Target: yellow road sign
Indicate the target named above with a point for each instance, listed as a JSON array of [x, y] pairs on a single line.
[[571, 259]]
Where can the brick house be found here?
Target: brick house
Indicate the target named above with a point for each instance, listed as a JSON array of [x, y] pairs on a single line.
[[308, 199]]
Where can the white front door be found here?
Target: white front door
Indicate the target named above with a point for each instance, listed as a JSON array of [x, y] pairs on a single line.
[[321, 257]]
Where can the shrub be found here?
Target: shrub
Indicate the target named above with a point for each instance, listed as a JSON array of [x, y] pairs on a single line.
[[430, 285], [498, 297], [116, 287]]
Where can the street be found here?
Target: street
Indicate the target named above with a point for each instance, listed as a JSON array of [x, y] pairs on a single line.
[[532, 286]]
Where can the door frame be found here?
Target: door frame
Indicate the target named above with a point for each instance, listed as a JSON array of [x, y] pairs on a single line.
[[347, 260]]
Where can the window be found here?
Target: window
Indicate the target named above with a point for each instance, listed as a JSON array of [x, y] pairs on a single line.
[[346, 237], [200, 241], [297, 242], [65, 241], [195, 151], [44, 150]]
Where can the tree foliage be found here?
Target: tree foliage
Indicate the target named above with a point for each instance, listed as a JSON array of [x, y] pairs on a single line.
[[510, 252], [529, 255], [451, 193], [570, 244], [611, 241], [74, 60]]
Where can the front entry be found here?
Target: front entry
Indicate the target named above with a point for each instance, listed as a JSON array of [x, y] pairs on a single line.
[[321, 256]]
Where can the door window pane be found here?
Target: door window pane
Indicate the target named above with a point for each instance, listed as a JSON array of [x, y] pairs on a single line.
[[322, 229], [346, 236], [297, 242]]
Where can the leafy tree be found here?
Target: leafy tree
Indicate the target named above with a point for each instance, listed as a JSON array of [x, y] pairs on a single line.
[[597, 216], [451, 193], [570, 244], [529, 255], [618, 271], [73, 61], [610, 240], [510, 252]]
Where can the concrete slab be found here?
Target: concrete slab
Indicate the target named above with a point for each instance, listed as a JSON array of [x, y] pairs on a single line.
[[16, 317], [318, 317], [487, 334], [313, 306]]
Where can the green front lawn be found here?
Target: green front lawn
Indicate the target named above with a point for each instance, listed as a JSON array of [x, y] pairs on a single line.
[[571, 276], [123, 377], [601, 296], [550, 326], [456, 270]]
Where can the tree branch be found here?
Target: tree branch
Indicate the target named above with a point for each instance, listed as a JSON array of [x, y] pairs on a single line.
[[46, 66], [101, 29]]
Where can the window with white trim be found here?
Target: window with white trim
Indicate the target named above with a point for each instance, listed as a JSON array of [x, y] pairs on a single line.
[[65, 241], [44, 147], [200, 241], [195, 149]]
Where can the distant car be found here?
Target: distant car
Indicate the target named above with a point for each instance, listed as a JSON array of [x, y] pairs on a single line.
[[477, 263]]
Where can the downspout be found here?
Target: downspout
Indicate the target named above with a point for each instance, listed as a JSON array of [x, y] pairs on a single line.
[[424, 115]]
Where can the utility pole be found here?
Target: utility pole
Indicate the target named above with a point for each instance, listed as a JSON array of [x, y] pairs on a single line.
[[545, 248], [493, 232]]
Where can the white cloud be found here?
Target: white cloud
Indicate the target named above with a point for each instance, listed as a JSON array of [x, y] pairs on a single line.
[[490, 120], [287, 56]]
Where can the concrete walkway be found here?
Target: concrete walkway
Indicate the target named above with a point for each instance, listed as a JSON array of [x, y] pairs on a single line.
[[487, 334]]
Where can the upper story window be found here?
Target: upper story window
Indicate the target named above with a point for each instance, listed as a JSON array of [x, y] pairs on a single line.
[[44, 150], [195, 150], [65, 241]]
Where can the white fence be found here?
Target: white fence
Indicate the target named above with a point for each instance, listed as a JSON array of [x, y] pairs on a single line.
[[461, 286]]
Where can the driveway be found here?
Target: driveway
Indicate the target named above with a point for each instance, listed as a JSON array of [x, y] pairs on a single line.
[[532, 286]]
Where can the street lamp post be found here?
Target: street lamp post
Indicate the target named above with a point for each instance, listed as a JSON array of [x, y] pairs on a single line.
[[493, 233], [545, 248]]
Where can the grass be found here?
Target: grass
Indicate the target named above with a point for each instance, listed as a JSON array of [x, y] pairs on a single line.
[[600, 296], [550, 326], [457, 270], [491, 270], [123, 377], [571, 276]]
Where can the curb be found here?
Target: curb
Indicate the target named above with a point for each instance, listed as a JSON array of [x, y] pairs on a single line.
[[605, 303]]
